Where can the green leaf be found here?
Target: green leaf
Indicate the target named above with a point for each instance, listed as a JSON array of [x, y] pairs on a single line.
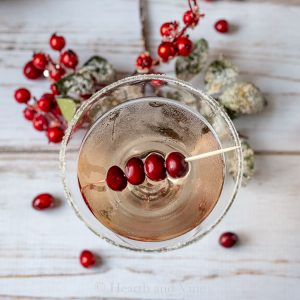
[[68, 108], [187, 67], [219, 75]]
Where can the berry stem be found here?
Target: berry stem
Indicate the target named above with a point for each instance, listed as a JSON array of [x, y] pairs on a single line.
[[211, 153]]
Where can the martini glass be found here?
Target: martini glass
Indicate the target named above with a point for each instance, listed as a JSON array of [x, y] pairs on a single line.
[[134, 117]]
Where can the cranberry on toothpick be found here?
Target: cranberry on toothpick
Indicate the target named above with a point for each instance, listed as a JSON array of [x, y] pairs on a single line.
[[42, 201], [176, 165], [87, 258], [116, 179], [134, 171], [228, 239], [155, 167]]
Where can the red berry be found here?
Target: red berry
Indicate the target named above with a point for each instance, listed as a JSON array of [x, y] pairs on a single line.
[[22, 95], [184, 46], [57, 42], [116, 179], [69, 59], [29, 113], [46, 102], [53, 88], [176, 165], [87, 258], [55, 134], [155, 167], [190, 18], [222, 26], [40, 61], [31, 72], [134, 171], [168, 29], [57, 73], [144, 62], [40, 123], [166, 50], [228, 239], [42, 201]]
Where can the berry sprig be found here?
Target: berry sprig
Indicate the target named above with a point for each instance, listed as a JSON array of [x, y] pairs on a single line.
[[175, 41], [44, 112]]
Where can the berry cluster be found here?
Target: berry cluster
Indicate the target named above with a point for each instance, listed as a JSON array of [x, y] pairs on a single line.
[[174, 42], [44, 112], [155, 167]]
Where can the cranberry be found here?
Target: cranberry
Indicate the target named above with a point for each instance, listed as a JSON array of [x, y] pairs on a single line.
[[184, 46], [53, 88], [155, 167], [144, 62], [87, 258], [29, 113], [57, 73], [222, 26], [40, 61], [116, 179], [176, 165], [228, 239], [46, 102], [42, 201], [40, 123], [55, 134], [31, 72], [57, 42], [168, 29], [134, 171], [69, 59], [22, 95], [190, 18], [166, 50]]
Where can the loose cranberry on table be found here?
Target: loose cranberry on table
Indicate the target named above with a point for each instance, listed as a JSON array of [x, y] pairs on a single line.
[[69, 59], [134, 171], [184, 46], [166, 50], [155, 167], [176, 165], [228, 239], [40, 123], [29, 113], [57, 42], [222, 26], [55, 134], [40, 61], [87, 258], [116, 179], [31, 72], [22, 95], [43, 201]]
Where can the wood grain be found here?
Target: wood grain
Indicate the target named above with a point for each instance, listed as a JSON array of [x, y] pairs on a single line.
[[39, 250]]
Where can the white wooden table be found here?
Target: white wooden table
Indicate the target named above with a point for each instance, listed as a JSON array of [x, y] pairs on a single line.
[[39, 250]]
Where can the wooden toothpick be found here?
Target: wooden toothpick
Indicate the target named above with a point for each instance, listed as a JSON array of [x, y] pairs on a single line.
[[211, 153]]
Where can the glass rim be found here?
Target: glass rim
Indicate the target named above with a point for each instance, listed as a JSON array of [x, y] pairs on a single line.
[[139, 78]]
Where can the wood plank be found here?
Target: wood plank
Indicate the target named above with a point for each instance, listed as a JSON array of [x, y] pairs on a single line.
[[39, 250], [270, 61]]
